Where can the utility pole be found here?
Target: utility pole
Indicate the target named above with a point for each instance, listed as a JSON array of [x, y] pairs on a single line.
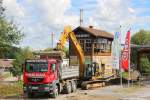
[[129, 61], [81, 17], [52, 39], [120, 67]]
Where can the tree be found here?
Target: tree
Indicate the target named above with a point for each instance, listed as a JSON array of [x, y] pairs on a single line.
[[141, 38], [9, 33], [145, 63], [20, 57], [66, 50]]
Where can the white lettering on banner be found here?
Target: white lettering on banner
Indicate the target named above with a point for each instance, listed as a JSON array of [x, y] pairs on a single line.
[[35, 74], [36, 60], [125, 56], [126, 49]]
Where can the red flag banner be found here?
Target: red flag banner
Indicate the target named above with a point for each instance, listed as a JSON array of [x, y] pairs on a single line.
[[125, 53]]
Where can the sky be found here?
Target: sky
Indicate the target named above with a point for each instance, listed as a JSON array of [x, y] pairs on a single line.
[[39, 18]]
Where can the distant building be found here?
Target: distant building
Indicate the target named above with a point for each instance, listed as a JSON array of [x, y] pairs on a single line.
[[96, 45], [6, 64]]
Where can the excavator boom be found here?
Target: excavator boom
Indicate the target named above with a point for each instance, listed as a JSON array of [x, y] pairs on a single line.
[[69, 34]]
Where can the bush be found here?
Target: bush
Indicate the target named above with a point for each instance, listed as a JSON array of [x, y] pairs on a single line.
[[145, 65]]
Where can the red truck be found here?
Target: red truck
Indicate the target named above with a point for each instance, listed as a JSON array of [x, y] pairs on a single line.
[[50, 76]]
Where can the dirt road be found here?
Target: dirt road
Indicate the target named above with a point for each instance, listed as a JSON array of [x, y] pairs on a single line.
[[114, 92], [110, 93]]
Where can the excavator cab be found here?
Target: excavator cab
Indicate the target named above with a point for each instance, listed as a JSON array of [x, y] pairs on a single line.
[[88, 72], [92, 71]]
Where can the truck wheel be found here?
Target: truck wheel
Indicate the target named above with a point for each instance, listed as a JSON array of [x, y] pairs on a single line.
[[68, 87], [84, 86], [73, 86], [55, 91]]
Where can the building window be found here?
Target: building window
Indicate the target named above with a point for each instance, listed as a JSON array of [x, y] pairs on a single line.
[[102, 45], [88, 45], [81, 41]]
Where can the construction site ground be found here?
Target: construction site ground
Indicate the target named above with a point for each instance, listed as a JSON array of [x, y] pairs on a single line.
[[113, 92]]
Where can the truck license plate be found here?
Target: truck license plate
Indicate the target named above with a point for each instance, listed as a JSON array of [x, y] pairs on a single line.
[[34, 88]]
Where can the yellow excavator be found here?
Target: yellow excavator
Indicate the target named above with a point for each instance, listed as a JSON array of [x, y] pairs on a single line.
[[90, 75]]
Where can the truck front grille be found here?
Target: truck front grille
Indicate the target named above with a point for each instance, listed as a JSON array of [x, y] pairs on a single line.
[[35, 79]]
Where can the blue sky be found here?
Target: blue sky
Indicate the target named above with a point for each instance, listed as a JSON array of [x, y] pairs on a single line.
[[39, 18]]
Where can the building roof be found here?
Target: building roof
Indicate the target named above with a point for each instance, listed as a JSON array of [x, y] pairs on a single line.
[[6, 62], [96, 32]]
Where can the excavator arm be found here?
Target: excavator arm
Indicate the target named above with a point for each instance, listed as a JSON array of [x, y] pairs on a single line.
[[69, 34]]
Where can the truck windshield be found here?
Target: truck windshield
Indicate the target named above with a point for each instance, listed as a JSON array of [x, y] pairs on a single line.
[[36, 67]]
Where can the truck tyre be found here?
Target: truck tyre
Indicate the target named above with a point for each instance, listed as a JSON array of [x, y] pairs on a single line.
[[73, 86], [84, 86], [55, 91], [60, 88], [68, 87]]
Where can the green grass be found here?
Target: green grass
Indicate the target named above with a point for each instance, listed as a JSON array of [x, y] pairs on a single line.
[[14, 89], [6, 75], [124, 74]]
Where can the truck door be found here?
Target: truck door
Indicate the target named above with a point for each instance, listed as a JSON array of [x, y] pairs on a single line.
[[53, 69]]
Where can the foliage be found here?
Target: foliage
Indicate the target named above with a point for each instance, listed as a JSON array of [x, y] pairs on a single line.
[[124, 74], [145, 63], [6, 52], [9, 35], [66, 50], [141, 38], [133, 56], [20, 57]]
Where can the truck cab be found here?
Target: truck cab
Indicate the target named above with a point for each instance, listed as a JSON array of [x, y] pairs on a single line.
[[40, 76]]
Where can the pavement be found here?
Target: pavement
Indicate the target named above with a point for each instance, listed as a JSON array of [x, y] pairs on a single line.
[[141, 94]]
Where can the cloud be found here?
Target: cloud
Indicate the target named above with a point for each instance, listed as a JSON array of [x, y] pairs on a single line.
[[111, 14], [14, 10], [53, 12], [39, 18]]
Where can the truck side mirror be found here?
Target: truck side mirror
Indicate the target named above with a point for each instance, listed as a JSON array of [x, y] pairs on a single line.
[[53, 67]]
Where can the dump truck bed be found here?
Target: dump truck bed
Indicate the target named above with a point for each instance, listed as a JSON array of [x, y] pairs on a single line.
[[67, 71], [70, 72]]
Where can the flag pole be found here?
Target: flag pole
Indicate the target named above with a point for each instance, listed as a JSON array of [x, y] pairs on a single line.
[[120, 59], [129, 60]]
